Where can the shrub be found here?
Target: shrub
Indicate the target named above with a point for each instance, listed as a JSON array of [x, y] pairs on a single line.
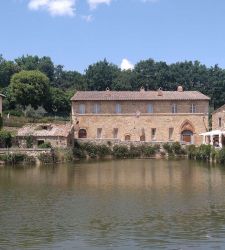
[[5, 139], [120, 151], [91, 149], [135, 151], [29, 141], [46, 158], [221, 156], [103, 150], [13, 159], [191, 150], [45, 145], [149, 151], [168, 148]]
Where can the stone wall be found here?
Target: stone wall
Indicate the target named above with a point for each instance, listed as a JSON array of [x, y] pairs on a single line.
[[134, 126], [215, 120], [130, 107]]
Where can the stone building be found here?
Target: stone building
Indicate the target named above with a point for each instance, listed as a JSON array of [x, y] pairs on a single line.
[[151, 116], [218, 118], [59, 135]]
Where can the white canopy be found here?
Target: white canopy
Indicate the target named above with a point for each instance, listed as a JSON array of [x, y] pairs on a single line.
[[213, 132]]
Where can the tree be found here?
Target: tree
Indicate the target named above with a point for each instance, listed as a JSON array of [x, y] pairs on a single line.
[[7, 69], [60, 101], [123, 81], [101, 75], [43, 64], [30, 87]]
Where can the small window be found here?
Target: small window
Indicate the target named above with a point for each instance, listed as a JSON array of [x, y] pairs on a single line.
[[82, 133], [81, 109], [220, 122], [115, 133], [40, 142], [96, 108], [142, 138], [127, 137], [193, 108], [150, 108], [174, 108], [99, 133], [118, 108], [153, 134], [171, 133]]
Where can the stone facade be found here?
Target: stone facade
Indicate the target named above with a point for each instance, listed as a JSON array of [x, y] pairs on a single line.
[[218, 119], [135, 122], [59, 135]]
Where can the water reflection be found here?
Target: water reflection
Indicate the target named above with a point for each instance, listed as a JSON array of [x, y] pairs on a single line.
[[113, 204]]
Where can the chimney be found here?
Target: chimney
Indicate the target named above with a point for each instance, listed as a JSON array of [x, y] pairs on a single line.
[[160, 92], [180, 89]]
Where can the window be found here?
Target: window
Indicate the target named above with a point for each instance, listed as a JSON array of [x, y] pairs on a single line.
[[193, 108], [142, 138], [99, 133], [153, 135], [82, 133], [174, 108], [81, 109], [220, 122], [118, 108], [115, 133], [127, 137], [96, 108], [171, 133], [150, 108]]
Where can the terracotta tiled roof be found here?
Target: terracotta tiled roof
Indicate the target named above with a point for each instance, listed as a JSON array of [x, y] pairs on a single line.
[[53, 130], [219, 109], [137, 95]]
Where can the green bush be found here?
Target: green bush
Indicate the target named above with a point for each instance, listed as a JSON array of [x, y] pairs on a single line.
[[46, 158], [191, 150], [5, 139], [149, 151], [168, 148], [45, 145], [135, 151], [103, 150], [29, 141], [221, 156], [120, 151]]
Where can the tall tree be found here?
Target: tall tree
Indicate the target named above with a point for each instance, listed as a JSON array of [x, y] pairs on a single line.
[[43, 64], [30, 87], [7, 69], [101, 75]]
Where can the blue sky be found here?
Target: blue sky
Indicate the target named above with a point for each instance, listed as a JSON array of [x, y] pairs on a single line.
[[76, 33]]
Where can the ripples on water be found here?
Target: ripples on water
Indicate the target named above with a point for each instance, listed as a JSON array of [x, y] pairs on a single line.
[[128, 204]]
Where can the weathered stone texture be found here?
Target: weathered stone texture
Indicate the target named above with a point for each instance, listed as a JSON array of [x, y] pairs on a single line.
[[134, 126]]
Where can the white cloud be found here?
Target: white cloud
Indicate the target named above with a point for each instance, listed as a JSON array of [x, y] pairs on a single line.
[[54, 7], [93, 4], [125, 64], [87, 18]]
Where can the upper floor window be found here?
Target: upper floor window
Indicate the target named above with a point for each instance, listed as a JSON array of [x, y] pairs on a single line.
[[220, 122], [174, 108], [81, 109], [150, 108], [118, 108], [193, 108], [96, 108]]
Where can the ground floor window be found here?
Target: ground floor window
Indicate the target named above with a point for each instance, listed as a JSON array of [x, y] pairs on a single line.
[[153, 133], [186, 136], [127, 137], [99, 133], [82, 133], [115, 133], [142, 138], [40, 142]]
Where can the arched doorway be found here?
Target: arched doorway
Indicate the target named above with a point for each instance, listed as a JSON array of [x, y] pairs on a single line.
[[186, 136], [127, 137], [82, 133], [187, 132]]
